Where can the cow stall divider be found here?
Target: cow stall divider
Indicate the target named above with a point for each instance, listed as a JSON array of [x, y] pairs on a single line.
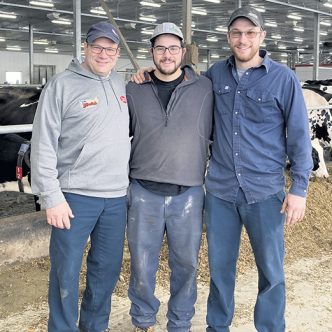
[[25, 236]]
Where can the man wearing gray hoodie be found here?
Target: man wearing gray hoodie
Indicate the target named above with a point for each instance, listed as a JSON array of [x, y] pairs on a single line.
[[79, 159]]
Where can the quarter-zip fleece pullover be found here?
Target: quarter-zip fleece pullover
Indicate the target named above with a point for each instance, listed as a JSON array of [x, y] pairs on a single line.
[[171, 145], [80, 139]]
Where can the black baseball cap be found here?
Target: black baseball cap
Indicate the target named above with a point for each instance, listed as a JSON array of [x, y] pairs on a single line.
[[249, 13], [102, 29]]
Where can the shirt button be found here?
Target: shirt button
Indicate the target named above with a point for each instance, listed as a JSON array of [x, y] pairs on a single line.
[[239, 174], [246, 73], [235, 133], [259, 99], [236, 154], [236, 112], [238, 92]]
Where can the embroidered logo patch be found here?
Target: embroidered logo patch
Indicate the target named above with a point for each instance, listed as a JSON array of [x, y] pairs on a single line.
[[89, 102], [123, 99]]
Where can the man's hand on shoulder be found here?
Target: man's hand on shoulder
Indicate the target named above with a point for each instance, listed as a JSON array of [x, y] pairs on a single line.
[[59, 215], [294, 207], [139, 77]]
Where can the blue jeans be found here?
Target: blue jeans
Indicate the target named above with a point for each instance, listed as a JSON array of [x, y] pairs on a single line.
[[104, 220], [265, 226], [149, 217]]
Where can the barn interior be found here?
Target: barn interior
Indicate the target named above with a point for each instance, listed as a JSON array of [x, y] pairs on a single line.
[[38, 39]]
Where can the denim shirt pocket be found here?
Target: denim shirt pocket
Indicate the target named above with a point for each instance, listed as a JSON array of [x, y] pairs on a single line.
[[222, 94], [260, 105]]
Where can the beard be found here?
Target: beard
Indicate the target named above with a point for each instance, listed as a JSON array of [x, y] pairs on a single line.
[[169, 70]]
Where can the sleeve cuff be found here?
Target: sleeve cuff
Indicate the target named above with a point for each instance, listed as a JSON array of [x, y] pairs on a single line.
[[50, 200]]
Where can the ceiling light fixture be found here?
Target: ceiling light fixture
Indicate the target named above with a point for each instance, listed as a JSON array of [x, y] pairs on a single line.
[[45, 3], [150, 4], [8, 15], [199, 11], [271, 24], [142, 50], [61, 21], [140, 56], [98, 11], [40, 42], [294, 17], [2, 39], [298, 29], [147, 32], [221, 29], [212, 39], [148, 18], [13, 48], [299, 40], [323, 33], [215, 56], [282, 47], [327, 24], [328, 4], [51, 50], [276, 36], [213, 1]]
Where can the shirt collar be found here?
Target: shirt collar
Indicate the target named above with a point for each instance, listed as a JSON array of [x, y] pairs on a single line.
[[262, 53]]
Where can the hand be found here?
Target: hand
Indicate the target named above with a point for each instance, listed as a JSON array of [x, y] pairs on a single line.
[[294, 207], [58, 216], [139, 77]]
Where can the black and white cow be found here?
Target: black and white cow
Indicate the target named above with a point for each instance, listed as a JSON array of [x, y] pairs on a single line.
[[17, 106], [320, 122]]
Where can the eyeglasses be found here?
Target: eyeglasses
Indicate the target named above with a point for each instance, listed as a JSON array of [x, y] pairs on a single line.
[[174, 49], [96, 49], [251, 34]]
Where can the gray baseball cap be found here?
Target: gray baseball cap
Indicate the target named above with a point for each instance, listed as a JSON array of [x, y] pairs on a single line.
[[248, 12], [102, 29], [166, 28]]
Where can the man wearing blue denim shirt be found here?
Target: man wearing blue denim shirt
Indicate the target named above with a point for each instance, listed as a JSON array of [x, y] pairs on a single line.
[[260, 118]]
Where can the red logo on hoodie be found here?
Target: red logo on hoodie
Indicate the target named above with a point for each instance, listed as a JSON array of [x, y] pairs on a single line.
[[123, 99]]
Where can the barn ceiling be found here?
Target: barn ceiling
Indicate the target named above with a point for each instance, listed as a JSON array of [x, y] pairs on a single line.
[[289, 38]]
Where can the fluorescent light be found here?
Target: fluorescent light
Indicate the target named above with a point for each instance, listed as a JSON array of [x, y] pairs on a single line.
[[199, 11], [7, 15], [327, 24], [276, 36], [299, 40], [140, 56], [48, 4], [98, 10], [294, 17], [13, 48], [150, 4], [221, 29], [299, 29], [61, 22], [213, 1], [323, 33], [148, 18], [147, 32], [271, 24], [214, 56], [328, 4], [260, 9], [284, 55], [212, 39], [301, 49], [142, 50], [2, 39], [51, 50], [40, 42], [282, 47], [283, 61]]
